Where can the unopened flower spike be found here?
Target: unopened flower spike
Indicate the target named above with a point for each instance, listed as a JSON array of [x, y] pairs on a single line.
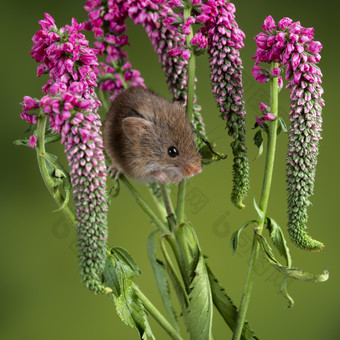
[[292, 45], [71, 104], [225, 40]]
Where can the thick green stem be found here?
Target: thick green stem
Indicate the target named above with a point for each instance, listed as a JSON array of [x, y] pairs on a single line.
[[41, 153], [155, 313], [141, 202], [268, 172]]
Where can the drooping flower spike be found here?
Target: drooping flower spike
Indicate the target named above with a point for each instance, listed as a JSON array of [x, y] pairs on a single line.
[[71, 104], [225, 39], [292, 45]]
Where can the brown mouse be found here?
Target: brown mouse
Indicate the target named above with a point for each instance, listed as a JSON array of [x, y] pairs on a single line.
[[149, 138]]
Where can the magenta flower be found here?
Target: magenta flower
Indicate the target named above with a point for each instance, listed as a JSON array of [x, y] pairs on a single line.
[[292, 46], [269, 116], [260, 74], [71, 104], [225, 40], [32, 141]]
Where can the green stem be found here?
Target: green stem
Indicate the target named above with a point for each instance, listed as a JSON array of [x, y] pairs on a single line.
[[41, 154], [168, 206], [141, 202], [269, 166], [154, 312]]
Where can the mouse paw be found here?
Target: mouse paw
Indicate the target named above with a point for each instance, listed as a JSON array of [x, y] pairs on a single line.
[[161, 176], [113, 172], [177, 178]]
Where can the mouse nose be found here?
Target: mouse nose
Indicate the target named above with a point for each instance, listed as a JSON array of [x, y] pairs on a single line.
[[191, 169]]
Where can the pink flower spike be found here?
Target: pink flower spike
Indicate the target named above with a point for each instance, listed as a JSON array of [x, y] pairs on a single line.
[[32, 142], [269, 116]]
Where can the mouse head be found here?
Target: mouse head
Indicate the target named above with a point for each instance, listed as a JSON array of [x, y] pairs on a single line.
[[162, 137]]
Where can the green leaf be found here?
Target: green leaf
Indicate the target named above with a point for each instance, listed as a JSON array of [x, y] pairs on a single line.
[[226, 308], [22, 142], [118, 276], [176, 282], [285, 293], [110, 276], [258, 138], [281, 126], [293, 273], [236, 235], [258, 210], [278, 239], [53, 137], [198, 314], [160, 274], [121, 254]]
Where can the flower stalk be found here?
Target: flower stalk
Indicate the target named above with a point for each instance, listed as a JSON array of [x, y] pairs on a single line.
[[268, 173], [41, 152]]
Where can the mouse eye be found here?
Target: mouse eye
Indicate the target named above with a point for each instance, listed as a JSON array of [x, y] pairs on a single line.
[[172, 151]]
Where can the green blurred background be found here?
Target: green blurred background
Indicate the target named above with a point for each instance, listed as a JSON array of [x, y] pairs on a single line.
[[41, 293]]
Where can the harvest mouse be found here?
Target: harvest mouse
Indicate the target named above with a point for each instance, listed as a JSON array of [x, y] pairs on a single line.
[[149, 138]]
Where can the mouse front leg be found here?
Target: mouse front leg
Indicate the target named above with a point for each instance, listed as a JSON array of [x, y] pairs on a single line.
[[161, 176]]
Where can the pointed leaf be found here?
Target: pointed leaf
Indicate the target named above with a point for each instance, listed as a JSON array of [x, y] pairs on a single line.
[[278, 239], [22, 142], [176, 282], [226, 308], [198, 315], [284, 291], [258, 210], [236, 235], [128, 306], [294, 273], [122, 254], [110, 277], [160, 274]]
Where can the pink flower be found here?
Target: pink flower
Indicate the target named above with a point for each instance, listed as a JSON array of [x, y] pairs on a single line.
[[32, 141], [264, 108], [259, 121], [261, 40], [284, 22], [275, 71], [314, 47], [29, 103], [269, 116], [174, 52], [269, 24], [186, 54], [260, 74]]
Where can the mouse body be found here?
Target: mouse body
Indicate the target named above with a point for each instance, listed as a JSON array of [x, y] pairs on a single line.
[[149, 138]]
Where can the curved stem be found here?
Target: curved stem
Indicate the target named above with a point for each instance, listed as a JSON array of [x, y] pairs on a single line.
[[155, 313], [269, 166], [41, 153], [141, 202]]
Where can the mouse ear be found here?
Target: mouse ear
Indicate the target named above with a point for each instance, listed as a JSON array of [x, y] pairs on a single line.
[[135, 127]]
